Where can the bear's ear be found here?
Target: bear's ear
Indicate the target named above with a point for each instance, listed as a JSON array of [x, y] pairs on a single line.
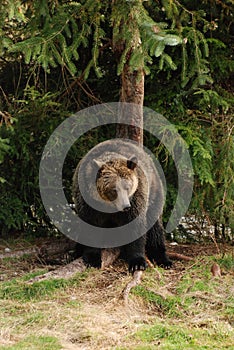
[[132, 162], [98, 163]]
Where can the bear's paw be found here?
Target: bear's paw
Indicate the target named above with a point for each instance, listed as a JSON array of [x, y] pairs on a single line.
[[137, 264]]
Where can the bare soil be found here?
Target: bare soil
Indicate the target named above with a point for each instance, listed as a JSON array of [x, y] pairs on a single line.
[[28, 258]]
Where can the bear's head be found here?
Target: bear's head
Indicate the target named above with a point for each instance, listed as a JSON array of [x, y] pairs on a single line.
[[117, 181]]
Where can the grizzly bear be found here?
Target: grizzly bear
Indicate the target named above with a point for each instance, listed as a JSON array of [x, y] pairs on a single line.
[[116, 186]]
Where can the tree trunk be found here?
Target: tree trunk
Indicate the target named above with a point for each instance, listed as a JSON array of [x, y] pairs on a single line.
[[132, 91], [132, 79]]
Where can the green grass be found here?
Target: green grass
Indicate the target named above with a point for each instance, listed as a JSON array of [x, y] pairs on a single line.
[[199, 314], [185, 308], [158, 333], [19, 289], [226, 262], [184, 336], [165, 305], [33, 342]]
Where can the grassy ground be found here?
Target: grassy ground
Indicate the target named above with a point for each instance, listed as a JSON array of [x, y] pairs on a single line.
[[182, 308]]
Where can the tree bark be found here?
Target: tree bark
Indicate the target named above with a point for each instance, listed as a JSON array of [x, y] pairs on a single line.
[[132, 79], [132, 91]]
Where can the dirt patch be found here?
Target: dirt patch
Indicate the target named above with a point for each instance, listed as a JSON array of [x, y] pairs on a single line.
[[20, 257], [196, 250]]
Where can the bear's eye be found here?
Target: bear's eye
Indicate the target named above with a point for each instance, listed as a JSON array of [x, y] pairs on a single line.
[[112, 195]]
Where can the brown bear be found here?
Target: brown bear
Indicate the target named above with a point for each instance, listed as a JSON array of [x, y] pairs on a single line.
[[117, 188]]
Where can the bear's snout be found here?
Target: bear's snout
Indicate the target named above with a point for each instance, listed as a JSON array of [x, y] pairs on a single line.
[[123, 204], [127, 207]]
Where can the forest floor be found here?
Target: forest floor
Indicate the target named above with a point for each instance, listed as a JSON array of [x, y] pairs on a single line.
[[185, 307]]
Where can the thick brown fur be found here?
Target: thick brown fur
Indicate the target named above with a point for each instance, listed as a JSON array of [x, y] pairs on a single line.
[[136, 184]]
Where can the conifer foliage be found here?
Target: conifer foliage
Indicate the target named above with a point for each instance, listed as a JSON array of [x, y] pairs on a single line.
[[65, 55]]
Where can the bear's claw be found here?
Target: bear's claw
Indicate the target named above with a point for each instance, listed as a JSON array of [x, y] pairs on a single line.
[[166, 264], [137, 264], [161, 261]]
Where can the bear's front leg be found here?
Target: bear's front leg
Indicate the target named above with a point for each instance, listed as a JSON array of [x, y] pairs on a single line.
[[92, 257], [134, 254], [155, 246]]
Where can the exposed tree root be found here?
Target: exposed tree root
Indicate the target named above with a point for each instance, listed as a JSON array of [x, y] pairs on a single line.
[[109, 256], [66, 271], [178, 256], [136, 279], [78, 265], [54, 251]]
